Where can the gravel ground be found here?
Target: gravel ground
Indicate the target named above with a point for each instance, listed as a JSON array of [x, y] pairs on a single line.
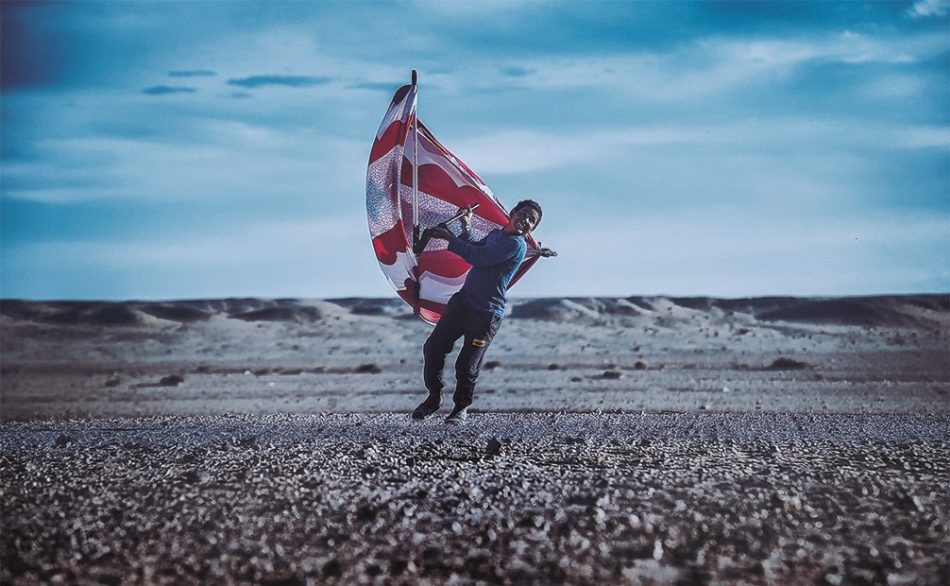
[[597, 498]]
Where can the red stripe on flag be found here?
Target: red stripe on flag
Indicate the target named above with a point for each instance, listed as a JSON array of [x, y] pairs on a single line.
[[386, 142], [442, 263], [433, 180], [389, 243]]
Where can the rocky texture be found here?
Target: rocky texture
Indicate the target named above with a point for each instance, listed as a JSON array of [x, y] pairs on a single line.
[[597, 498], [811, 444]]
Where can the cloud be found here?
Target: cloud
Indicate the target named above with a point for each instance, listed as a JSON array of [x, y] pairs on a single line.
[[706, 250], [233, 161], [307, 257], [163, 90], [525, 151], [516, 71], [895, 86], [469, 10], [845, 47], [924, 137], [192, 73], [701, 68], [378, 86], [733, 252], [928, 8], [256, 81]]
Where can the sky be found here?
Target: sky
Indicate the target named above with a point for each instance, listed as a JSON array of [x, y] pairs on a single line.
[[218, 149]]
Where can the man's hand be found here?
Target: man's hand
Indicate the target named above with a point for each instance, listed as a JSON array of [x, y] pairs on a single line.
[[466, 218], [546, 252], [440, 231]]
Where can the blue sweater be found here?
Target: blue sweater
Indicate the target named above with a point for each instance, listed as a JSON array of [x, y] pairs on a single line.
[[494, 260]]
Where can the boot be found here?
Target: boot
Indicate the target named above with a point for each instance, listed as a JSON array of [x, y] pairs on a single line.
[[428, 407], [458, 416]]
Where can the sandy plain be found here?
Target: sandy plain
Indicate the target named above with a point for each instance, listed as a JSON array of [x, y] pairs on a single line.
[[638, 440]]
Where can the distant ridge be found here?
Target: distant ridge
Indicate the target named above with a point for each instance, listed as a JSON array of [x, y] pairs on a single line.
[[911, 311], [881, 311]]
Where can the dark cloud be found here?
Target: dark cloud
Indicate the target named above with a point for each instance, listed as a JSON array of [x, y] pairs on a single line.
[[31, 51], [285, 80], [162, 90], [240, 95], [517, 71], [192, 73]]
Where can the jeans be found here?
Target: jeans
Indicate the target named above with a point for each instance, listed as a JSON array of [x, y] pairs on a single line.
[[478, 328]]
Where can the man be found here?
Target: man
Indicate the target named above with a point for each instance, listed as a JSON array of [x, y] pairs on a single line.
[[476, 310]]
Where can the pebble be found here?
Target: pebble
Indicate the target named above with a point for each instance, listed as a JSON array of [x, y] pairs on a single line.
[[657, 550]]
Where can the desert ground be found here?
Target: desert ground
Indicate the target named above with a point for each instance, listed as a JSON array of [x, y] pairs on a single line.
[[613, 440]]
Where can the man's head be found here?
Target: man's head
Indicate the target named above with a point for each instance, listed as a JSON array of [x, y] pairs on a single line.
[[525, 217]]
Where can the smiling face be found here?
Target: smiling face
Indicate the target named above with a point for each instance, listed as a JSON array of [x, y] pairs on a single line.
[[523, 221]]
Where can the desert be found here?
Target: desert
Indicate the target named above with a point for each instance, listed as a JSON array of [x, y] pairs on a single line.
[[703, 243], [204, 357], [613, 440]]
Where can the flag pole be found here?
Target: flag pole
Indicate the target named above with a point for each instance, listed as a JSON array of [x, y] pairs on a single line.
[[415, 165], [416, 228]]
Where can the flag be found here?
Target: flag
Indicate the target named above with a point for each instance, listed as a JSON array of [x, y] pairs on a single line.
[[443, 183]]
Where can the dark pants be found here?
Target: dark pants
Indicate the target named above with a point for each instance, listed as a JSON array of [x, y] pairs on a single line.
[[478, 328]]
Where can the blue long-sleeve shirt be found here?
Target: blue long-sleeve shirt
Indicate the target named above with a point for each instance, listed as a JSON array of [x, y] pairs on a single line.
[[494, 260]]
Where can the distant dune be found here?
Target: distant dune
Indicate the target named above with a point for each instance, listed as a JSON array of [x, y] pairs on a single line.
[[880, 311], [913, 311]]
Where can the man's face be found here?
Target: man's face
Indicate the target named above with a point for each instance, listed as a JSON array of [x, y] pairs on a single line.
[[524, 220]]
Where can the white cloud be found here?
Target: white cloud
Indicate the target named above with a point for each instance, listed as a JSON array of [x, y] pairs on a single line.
[[920, 137], [310, 257], [232, 160], [522, 151], [928, 8], [710, 250], [700, 69], [477, 8]]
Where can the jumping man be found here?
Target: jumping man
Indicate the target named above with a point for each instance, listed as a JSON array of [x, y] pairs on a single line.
[[477, 309]]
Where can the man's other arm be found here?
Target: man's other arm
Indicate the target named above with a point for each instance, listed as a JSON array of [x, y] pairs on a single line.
[[485, 254], [466, 235]]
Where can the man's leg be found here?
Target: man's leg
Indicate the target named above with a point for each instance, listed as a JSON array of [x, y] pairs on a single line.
[[480, 329], [437, 345]]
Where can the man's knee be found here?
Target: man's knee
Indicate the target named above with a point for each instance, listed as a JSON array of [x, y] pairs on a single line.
[[466, 373], [468, 365], [434, 347]]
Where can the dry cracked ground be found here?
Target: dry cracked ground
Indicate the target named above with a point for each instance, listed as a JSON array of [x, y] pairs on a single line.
[[597, 498]]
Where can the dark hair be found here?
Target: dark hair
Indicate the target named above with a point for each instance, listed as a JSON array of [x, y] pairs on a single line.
[[529, 203]]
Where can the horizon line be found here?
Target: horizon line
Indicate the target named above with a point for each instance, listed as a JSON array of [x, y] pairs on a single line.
[[513, 298]]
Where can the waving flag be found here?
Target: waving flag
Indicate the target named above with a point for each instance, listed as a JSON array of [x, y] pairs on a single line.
[[414, 182]]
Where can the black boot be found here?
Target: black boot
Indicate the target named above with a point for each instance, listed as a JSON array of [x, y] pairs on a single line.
[[428, 407]]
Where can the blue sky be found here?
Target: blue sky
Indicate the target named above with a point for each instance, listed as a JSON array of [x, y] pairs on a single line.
[[182, 150]]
